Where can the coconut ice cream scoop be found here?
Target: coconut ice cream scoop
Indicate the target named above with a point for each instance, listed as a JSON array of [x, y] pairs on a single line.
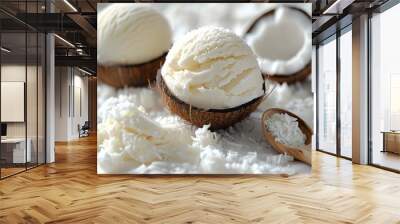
[[132, 42], [212, 71], [281, 39], [212, 68]]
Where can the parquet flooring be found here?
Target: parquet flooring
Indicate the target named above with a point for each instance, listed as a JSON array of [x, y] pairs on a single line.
[[387, 159], [70, 191], [10, 171]]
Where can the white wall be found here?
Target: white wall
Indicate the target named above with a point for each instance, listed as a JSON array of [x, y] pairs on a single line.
[[79, 104], [82, 83], [12, 73], [70, 83], [33, 126], [61, 103]]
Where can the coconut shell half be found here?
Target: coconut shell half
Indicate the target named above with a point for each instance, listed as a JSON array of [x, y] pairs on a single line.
[[130, 75], [302, 154], [217, 118], [299, 76], [290, 79]]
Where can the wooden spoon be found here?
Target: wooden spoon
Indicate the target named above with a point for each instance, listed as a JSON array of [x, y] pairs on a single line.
[[303, 153]]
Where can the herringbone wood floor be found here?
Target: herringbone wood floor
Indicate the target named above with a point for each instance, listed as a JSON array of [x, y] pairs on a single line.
[[70, 191]]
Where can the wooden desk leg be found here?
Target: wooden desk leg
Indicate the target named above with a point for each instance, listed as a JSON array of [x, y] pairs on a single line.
[[384, 142]]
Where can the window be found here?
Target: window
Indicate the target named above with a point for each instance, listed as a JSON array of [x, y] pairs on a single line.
[[385, 89], [331, 133], [346, 93], [394, 117], [327, 96]]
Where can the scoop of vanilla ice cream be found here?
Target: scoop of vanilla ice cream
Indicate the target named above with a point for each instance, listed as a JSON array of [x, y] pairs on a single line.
[[212, 68], [131, 34]]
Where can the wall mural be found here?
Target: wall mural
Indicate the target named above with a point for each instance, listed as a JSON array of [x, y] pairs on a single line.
[[204, 88]]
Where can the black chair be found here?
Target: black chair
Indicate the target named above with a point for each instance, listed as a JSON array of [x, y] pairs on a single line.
[[84, 130]]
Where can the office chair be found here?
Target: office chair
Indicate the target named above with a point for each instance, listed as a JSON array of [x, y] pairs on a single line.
[[84, 130]]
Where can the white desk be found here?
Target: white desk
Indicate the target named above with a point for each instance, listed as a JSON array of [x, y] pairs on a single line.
[[18, 150]]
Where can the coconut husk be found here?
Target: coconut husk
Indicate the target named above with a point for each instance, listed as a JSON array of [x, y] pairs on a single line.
[[301, 154], [130, 75], [217, 118], [291, 78]]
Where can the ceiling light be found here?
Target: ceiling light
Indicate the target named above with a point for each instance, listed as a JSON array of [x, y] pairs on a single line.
[[84, 71], [65, 41], [5, 50], [80, 51], [70, 5], [337, 7]]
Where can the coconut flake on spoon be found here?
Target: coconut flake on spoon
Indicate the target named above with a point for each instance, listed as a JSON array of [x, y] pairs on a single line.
[[132, 43], [287, 133], [281, 39]]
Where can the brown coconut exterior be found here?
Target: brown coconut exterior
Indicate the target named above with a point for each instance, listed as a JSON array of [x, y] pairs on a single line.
[[218, 119], [292, 78], [299, 154], [130, 75]]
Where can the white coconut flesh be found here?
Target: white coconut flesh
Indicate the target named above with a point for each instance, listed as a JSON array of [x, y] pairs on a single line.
[[282, 42]]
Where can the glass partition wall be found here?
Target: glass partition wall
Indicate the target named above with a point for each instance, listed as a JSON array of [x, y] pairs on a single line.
[[13, 89], [22, 107], [334, 94]]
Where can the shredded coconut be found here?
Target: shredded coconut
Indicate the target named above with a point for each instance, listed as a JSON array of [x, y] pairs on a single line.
[[136, 135], [285, 129], [296, 98]]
